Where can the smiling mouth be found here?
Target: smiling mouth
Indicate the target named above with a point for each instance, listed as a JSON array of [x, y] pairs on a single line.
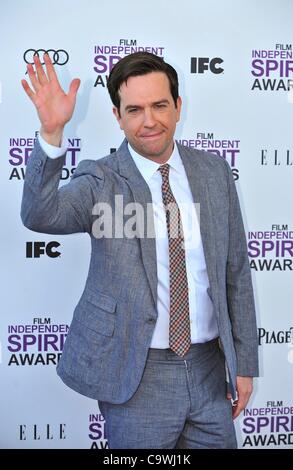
[[152, 136]]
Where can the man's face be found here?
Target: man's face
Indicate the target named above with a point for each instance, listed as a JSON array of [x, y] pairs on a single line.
[[148, 115]]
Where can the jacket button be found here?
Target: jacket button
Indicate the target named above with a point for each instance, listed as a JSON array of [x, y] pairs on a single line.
[[151, 320]]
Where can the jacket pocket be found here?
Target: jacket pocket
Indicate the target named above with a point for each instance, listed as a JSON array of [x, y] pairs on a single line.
[[96, 311]]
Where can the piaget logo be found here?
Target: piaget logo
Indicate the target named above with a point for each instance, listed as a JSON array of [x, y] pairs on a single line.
[[275, 336]]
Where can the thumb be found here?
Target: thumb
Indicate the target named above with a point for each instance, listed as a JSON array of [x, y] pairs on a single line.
[[74, 86]]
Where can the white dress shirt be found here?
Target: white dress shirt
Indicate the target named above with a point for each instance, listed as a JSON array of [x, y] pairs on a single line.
[[203, 322]]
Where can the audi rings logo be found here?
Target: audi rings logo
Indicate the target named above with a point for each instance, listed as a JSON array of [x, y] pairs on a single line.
[[59, 57]]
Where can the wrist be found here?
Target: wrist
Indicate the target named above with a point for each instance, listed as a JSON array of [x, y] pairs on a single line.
[[52, 138]]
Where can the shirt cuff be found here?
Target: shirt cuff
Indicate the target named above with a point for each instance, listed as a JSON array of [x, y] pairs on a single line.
[[50, 150]]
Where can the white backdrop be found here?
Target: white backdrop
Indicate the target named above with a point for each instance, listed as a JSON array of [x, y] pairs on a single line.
[[237, 102]]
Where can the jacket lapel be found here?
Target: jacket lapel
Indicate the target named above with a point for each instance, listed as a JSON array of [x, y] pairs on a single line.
[[200, 182], [146, 232]]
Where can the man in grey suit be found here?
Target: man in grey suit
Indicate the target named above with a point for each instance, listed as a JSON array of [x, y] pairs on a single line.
[[164, 335]]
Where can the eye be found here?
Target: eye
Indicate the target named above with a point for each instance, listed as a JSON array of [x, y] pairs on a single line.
[[132, 110], [161, 105]]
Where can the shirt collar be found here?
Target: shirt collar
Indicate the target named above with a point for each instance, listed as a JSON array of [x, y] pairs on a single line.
[[148, 168]]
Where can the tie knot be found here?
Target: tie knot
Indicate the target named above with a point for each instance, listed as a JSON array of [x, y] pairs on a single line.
[[164, 170]]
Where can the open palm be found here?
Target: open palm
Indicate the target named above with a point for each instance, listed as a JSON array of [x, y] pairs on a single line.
[[53, 105]]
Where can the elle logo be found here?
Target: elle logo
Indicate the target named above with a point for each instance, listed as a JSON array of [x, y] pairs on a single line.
[[45, 432]]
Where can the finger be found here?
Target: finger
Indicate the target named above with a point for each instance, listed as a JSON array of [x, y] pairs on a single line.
[[50, 69], [235, 412], [235, 409], [42, 77], [28, 90], [74, 86], [32, 75], [238, 407], [229, 396]]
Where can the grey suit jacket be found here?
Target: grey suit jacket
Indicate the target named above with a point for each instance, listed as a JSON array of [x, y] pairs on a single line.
[[107, 345]]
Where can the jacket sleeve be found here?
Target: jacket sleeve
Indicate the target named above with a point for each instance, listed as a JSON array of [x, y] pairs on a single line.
[[240, 297], [47, 209]]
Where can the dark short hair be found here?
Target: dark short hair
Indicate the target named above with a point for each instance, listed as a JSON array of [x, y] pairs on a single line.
[[139, 63]]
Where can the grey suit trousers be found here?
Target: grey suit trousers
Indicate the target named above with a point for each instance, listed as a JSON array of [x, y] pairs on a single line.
[[180, 403]]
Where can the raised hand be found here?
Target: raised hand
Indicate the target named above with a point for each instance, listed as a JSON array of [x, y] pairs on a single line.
[[53, 105]]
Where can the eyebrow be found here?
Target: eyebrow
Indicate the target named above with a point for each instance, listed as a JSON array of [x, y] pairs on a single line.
[[129, 106]]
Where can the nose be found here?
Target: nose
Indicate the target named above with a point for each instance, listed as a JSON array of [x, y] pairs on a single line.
[[149, 120]]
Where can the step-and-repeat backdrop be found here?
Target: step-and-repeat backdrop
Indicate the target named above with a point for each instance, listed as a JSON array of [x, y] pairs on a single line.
[[235, 64]]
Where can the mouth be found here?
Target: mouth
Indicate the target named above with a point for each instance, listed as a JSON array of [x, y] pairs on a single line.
[[152, 136]]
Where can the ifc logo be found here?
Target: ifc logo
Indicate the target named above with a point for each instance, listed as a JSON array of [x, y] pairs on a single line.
[[36, 249], [202, 64]]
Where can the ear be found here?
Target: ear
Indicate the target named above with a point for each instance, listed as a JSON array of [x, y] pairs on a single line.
[[117, 116], [178, 108]]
